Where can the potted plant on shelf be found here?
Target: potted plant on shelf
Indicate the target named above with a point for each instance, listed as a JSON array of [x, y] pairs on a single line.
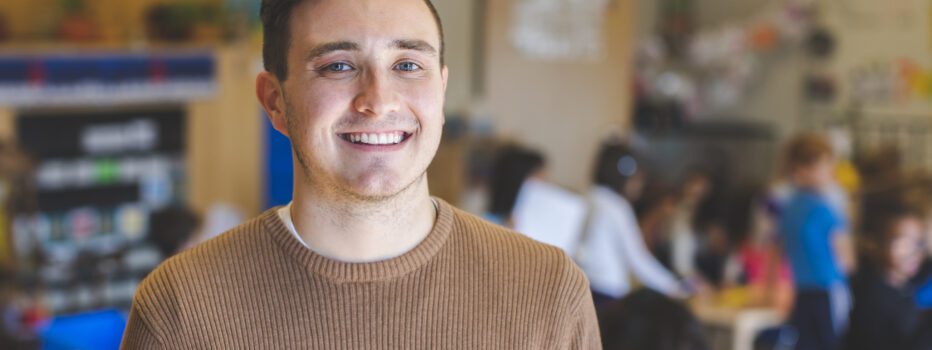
[[76, 25]]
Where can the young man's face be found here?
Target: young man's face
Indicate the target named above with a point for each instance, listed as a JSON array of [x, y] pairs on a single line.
[[363, 99]]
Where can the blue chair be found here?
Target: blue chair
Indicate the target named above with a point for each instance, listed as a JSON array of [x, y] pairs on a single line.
[[924, 296], [98, 330]]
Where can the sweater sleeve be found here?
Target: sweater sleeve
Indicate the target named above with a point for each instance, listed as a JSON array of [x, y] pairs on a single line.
[[582, 331], [586, 328], [153, 318], [138, 335]]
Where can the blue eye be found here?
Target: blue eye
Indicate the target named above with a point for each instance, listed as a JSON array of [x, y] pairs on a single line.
[[338, 67], [408, 67]]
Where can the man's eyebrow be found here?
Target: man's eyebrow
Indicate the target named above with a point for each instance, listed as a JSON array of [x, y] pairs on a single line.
[[414, 44], [326, 48]]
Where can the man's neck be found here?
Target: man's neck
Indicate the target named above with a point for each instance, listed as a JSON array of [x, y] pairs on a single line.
[[358, 231]]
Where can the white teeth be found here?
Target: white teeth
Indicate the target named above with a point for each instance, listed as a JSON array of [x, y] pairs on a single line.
[[377, 139]]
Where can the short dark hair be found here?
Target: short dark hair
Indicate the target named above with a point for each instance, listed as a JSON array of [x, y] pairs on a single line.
[[511, 167], [170, 227], [805, 150], [880, 212], [615, 164], [276, 34], [648, 320]]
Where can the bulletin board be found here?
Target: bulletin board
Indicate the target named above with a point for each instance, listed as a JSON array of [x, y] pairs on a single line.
[[884, 58]]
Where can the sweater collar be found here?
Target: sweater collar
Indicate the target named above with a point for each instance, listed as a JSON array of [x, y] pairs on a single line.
[[339, 271]]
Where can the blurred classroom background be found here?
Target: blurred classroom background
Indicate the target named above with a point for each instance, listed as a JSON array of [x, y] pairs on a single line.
[[129, 131]]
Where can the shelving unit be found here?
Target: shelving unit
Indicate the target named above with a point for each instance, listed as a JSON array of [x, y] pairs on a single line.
[[107, 133], [99, 175]]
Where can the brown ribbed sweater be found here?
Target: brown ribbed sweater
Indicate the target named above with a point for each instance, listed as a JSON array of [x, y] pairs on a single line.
[[468, 285]]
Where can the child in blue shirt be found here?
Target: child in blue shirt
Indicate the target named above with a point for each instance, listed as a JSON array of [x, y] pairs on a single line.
[[817, 246]]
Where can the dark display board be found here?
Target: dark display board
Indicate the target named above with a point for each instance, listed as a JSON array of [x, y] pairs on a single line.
[[99, 175]]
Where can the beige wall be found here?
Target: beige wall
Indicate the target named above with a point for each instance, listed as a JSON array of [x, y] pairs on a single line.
[[874, 32], [225, 137], [560, 108], [457, 17]]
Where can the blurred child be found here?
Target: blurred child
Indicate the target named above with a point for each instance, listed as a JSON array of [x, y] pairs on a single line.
[[819, 250], [655, 211], [683, 241], [764, 270], [711, 221], [923, 279], [890, 251], [512, 166], [648, 320], [171, 227], [612, 248], [918, 192]]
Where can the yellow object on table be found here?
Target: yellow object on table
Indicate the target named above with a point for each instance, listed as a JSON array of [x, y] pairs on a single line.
[[734, 297]]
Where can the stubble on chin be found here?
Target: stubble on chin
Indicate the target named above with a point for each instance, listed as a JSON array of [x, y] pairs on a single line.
[[333, 187]]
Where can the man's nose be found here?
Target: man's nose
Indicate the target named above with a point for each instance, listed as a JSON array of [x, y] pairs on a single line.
[[376, 96]]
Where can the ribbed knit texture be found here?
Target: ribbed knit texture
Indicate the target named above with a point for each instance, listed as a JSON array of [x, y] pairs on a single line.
[[468, 285]]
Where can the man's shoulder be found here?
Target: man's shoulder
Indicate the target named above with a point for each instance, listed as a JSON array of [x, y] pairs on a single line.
[[487, 235], [234, 249], [512, 254]]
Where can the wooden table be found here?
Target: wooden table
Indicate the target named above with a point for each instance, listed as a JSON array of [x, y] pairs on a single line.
[[741, 325]]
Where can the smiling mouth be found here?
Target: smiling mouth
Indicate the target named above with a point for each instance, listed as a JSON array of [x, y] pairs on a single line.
[[376, 139]]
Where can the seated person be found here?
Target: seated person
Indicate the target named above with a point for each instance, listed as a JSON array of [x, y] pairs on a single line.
[[512, 166], [714, 222], [885, 315], [171, 227], [655, 211], [695, 188], [612, 248], [648, 320]]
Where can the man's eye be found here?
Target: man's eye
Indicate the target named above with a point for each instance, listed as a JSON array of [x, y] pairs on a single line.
[[408, 67], [337, 67]]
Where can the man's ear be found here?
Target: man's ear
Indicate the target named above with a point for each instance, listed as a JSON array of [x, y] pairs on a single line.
[[270, 93], [445, 75]]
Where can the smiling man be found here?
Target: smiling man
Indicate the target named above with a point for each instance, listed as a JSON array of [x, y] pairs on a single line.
[[363, 258]]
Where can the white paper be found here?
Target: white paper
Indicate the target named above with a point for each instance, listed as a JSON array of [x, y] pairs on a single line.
[[559, 29], [550, 214]]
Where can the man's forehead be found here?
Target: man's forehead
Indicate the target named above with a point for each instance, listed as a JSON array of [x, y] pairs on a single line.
[[362, 21]]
